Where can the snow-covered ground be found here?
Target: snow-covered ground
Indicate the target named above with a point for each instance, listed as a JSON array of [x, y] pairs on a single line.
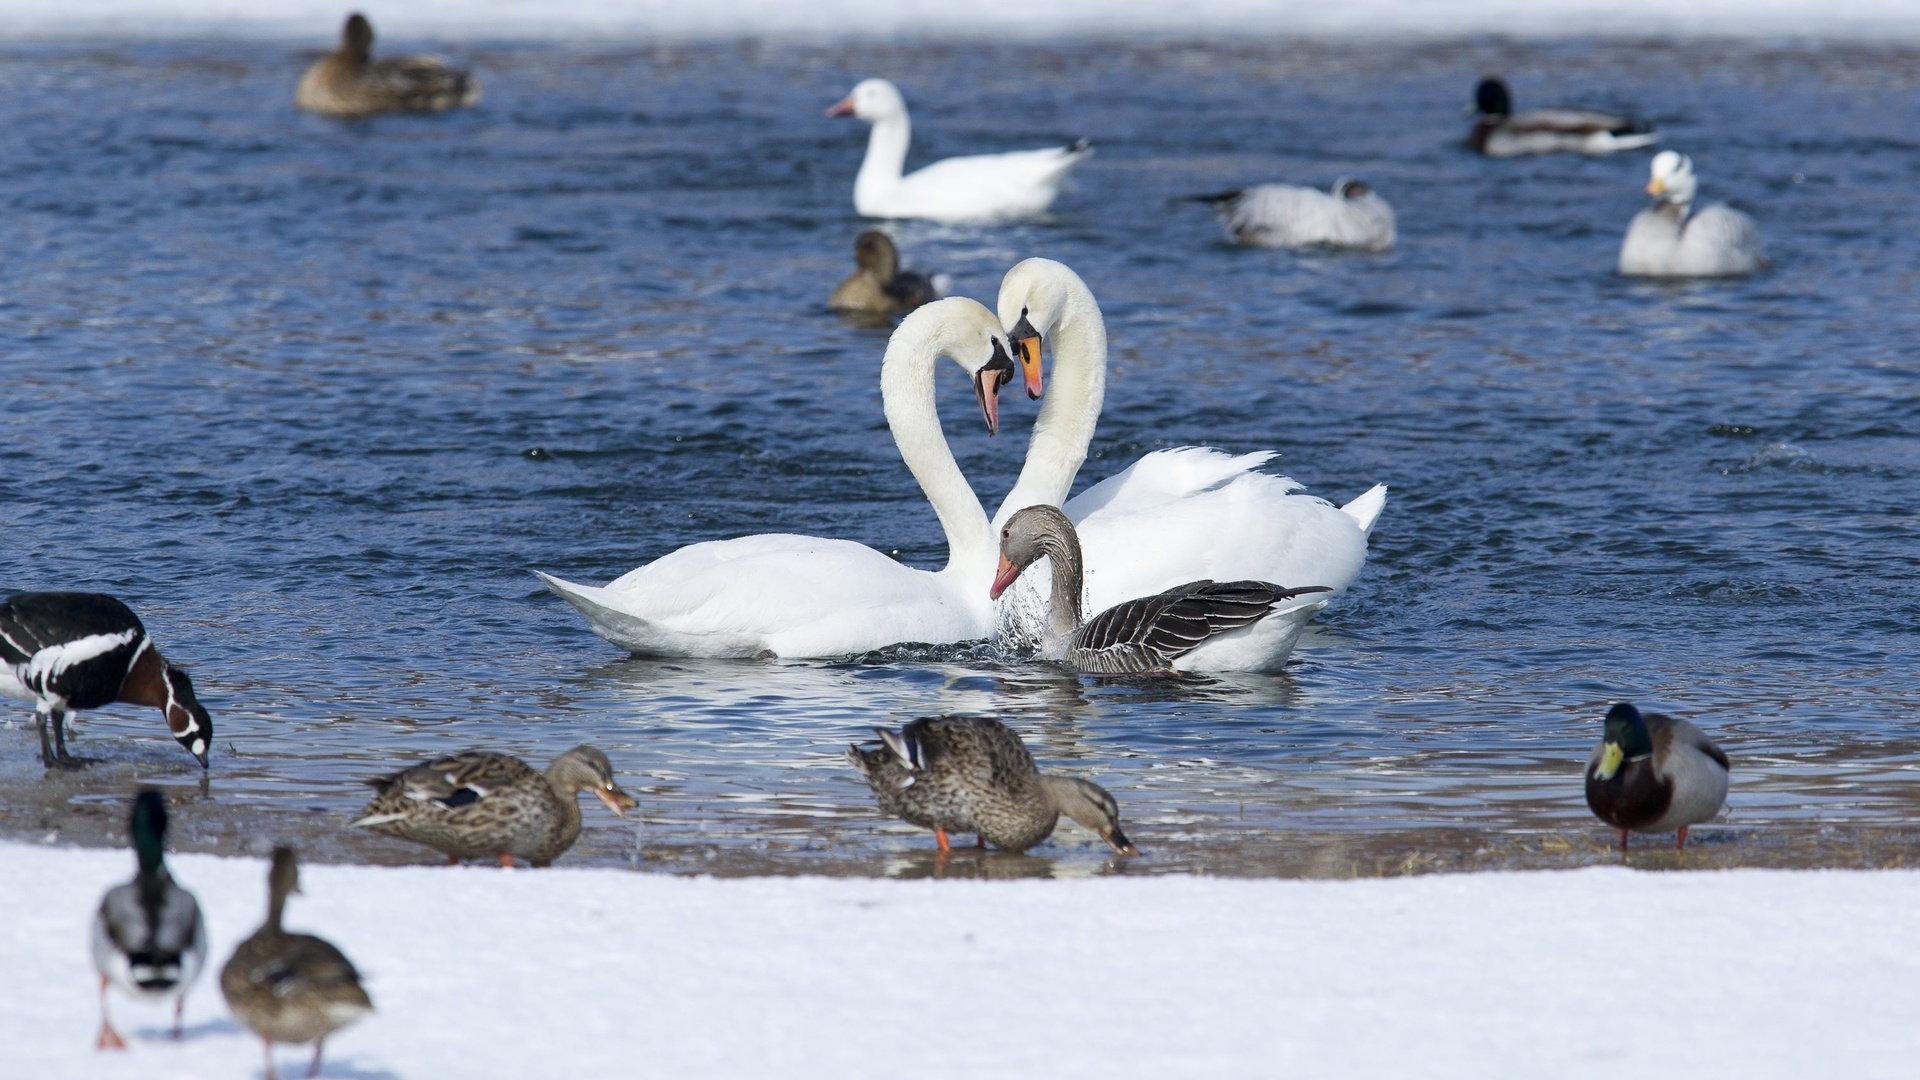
[[319, 20], [479, 973]]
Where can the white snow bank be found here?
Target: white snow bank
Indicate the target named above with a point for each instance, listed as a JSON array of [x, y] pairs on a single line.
[[479, 973], [396, 20]]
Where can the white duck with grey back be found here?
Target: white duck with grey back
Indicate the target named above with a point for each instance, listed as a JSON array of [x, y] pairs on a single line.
[[1349, 217], [1672, 239]]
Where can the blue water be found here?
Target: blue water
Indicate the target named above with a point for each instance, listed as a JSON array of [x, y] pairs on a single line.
[[316, 398]]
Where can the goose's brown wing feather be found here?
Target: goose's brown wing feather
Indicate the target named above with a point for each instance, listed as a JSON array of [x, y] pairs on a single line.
[[1150, 633]]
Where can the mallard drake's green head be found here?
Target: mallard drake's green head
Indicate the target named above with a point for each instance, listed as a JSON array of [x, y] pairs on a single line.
[[1626, 739], [149, 829]]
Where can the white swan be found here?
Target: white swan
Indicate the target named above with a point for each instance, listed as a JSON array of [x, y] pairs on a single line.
[[1172, 517], [1669, 239], [982, 188], [802, 596], [1350, 216]]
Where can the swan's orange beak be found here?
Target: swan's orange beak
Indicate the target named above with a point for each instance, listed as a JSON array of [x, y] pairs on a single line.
[[843, 108], [1026, 343], [987, 382], [1002, 577]]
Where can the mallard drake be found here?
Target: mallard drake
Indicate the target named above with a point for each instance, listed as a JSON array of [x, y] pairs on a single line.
[[479, 805], [878, 286], [148, 937], [291, 988], [1144, 636], [972, 774], [349, 83], [71, 651], [1655, 774], [1669, 239], [1499, 133], [1349, 216]]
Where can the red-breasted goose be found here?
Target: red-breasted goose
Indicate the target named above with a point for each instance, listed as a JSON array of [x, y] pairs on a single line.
[[71, 651]]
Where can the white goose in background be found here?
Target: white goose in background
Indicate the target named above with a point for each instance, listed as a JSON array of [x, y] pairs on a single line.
[[981, 188], [1350, 217], [1172, 517], [1670, 239], [801, 596]]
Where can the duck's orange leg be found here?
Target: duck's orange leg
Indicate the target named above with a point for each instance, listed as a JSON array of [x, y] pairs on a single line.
[[1681, 844], [108, 1039], [938, 834], [1623, 840], [506, 860]]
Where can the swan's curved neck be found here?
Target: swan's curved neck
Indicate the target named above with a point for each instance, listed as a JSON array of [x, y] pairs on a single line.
[[886, 156], [1064, 429], [906, 395]]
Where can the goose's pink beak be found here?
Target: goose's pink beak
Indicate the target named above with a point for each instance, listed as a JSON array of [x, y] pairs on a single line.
[[1002, 577], [844, 108]]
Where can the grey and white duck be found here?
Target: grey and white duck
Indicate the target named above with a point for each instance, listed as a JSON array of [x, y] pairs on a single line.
[[291, 988], [71, 651], [1672, 239], [1148, 635], [1499, 132], [481, 805], [1350, 216], [350, 84], [1655, 774], [877, 285], [148, 937], [972, 774]]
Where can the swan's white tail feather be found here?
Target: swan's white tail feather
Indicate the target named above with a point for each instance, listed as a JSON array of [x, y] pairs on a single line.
[[1366, 509], [638, 635]]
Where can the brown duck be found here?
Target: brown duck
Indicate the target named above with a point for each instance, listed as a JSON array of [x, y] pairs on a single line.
[[350, 84], [972, 774], [1655, 774], [878, 286], [479, 805], [291, 988]]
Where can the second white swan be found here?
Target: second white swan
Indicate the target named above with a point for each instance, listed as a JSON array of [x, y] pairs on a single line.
[[1175, 515], [784, 595]]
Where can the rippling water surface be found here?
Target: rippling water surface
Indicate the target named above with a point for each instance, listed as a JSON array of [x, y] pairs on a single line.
[[316, 398]]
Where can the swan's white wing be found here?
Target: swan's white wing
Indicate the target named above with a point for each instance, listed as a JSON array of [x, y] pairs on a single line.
[[1166, 476], [982, 187], [795, 596]]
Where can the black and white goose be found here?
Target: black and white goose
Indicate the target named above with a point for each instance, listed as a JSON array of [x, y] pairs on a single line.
[[71, 651], [1499, 132], [148, 937], [1137, 637]]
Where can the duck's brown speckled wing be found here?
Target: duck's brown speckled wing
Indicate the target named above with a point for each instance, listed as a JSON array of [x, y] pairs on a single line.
[[292, 987], [1148, 634]]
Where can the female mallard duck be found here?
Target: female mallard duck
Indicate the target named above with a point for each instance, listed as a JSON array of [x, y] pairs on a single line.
[[971, 774], [1143, 636], [1655, 774], [878, 286], [1499, 133], [350, 84], [476, 805], [148, 937], [1668, 239], [291, 988], [1349, 217]]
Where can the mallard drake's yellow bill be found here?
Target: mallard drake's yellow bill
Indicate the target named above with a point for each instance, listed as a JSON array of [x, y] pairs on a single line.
[[1610, 758]]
